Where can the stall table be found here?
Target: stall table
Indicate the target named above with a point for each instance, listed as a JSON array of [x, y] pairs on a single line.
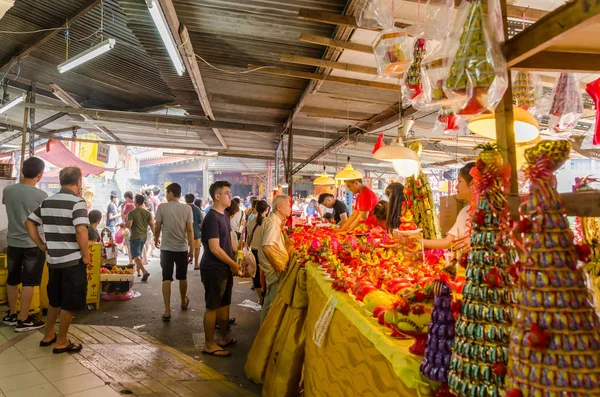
[[357, 356]]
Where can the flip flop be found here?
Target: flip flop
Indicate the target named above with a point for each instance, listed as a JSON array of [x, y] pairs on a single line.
[[72, 348], [187, 303], [231, 320], [232, 341], [166, 319], [45, 344], [145, 277], [214, 353]]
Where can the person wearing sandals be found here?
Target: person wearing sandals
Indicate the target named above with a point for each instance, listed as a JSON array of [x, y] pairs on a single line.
[[217, 269], [138, 221], [174, 220], [64, 220]]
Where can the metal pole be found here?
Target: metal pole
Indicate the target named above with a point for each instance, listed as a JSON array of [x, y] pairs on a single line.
[[277, 166], [32, 120], [290, 156], [24, 140]]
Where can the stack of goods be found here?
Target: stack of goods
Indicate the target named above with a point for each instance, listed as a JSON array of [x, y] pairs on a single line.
[[440, 338], [472, 74], [413, 76], [555, 340], [480, 352], [417, 193], [117, 282], [567, 105], [524, 90]]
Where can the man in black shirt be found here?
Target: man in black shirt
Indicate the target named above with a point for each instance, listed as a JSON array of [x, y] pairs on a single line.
[[340, 211], [217, 268]]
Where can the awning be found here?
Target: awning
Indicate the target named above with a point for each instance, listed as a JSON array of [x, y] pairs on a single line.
[[59, 155]]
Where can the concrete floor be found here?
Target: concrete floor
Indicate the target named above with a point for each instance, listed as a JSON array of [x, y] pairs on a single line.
[[185, 331]]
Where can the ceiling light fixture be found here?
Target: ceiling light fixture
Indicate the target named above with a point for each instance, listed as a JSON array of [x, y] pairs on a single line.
[[165, 34], [324, 179], [87, 55], [348, 173], [404, 160], [12, 104], [526, 126]]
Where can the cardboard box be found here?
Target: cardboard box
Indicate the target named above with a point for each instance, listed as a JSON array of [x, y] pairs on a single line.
[[450, 206]]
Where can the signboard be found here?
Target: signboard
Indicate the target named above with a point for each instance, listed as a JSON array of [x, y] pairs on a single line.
[[165, 185], [93, 275], [103, 151]]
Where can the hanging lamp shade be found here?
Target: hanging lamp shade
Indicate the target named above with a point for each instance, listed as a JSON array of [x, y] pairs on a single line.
[[324, 179], [348, 173], [404, 160], [526, 126]]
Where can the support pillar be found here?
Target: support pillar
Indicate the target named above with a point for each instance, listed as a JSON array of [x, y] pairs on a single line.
[[208, 178], [32, 121]]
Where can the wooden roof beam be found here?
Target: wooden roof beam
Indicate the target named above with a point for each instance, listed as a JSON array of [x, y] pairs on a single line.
[[346, 45], [277, 71], [550, 61], [182, 38], [335, 19], [328, 64], [550, 29], [6, 63]]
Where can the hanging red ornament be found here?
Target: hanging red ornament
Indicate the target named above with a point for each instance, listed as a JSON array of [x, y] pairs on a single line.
[[538, 337], [493, 278], [514, 393], [479, 217], [583, 252], [379, 144], [523, 226], [593, 90], [500, 369]]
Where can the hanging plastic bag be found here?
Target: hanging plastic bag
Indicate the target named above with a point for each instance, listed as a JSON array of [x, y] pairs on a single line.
[[567, 105], [435, 17], [476, 69], [374, 14], [392, 50], [593, 90], [526, 90]]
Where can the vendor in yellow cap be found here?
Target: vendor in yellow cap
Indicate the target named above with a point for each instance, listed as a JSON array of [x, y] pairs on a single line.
[[458, 238]]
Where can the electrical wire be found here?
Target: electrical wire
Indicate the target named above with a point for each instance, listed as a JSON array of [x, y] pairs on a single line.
[[232, 72], [32, 31]]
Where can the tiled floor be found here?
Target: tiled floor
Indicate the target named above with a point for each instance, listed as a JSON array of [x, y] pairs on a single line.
[[114, 361]]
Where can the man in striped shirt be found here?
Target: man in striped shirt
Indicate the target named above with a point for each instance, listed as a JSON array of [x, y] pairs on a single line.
[[64, 220]]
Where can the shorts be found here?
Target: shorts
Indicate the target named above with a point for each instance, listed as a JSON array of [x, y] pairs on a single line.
[[256, 279], [137, 246], [25, 266], [197, 244], [173, 260], [67, 287], [218, 286]]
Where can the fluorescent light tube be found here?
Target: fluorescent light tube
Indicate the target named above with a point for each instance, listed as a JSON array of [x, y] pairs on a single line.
[[12, 104], [7, 145], [88, 54], [165, 34]]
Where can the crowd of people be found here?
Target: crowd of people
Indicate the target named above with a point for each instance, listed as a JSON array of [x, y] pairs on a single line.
[[57, 230]]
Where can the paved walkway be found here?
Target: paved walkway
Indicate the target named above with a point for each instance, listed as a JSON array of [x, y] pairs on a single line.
[[115, 361]]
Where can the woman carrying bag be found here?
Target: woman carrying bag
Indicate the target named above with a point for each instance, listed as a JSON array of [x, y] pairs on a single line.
[[253, 240]]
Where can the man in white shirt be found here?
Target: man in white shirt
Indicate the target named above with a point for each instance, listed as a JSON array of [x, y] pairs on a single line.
[[273, 256]]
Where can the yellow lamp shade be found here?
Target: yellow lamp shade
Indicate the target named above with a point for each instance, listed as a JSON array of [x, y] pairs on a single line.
[[324, 179], [348, 174], [526, 126]]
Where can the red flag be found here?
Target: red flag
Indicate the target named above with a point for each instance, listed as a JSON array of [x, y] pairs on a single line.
[[48, 145], [379, 143]]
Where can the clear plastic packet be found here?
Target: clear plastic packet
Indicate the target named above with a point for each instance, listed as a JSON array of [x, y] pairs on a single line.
[[435, 20], [567, 104], [476, 69], [526, 90], [393, 52], [374, 14]]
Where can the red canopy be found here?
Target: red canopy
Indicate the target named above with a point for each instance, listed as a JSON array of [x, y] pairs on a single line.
[[59, 155]]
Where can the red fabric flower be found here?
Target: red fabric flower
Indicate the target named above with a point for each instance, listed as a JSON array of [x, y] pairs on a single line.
[[500, 369], [479, 217], [583, 252], [523, 226], [493, 278], [515, 269], [408, 192], [513, 393], [408, 203], [420, 296], [538, 337], [418, 309], [404, 309]]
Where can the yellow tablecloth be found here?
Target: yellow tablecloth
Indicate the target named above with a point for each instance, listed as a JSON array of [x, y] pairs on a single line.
[[357, 357]]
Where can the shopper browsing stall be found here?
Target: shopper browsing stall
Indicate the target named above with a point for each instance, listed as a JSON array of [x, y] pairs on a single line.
[[364, 206], [458, 236], [25, 260], [138, 221], [395, 195], [253, 240], [94, 217], [197, 224], [217, 269]]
